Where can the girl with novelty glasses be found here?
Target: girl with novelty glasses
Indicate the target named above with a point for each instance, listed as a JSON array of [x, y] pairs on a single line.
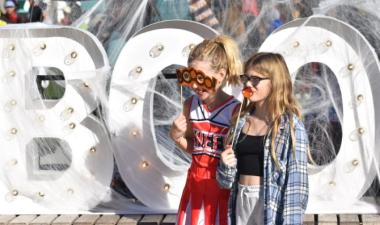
[[202, 126]]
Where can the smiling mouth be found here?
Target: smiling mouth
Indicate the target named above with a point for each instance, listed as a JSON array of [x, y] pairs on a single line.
[[199, 92]]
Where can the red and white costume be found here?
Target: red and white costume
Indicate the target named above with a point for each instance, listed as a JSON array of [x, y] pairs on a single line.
[[203, 202]]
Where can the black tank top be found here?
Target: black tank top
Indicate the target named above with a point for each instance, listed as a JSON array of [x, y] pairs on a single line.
[[250, 155]]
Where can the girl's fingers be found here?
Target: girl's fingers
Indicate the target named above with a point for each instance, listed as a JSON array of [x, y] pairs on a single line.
[[230, 157], [228, 151], [181, 117], [231, 162], [182, 123]]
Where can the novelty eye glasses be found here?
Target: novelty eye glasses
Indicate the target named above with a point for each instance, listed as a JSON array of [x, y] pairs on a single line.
[[187, 76]]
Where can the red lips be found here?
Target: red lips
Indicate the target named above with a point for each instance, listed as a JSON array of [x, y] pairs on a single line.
[[247, 92]]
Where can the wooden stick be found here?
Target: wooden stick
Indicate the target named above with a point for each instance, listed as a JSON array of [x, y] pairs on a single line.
[[236, 124], [181, 95]]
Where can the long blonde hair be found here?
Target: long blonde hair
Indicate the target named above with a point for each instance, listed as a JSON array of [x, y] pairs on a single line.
[[223, 53], [281, 99]]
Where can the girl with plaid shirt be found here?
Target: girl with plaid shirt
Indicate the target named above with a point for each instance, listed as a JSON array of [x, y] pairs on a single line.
[[266, 166]]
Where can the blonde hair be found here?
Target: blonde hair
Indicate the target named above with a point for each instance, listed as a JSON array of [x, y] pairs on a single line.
[[223, 53], [281, 99]]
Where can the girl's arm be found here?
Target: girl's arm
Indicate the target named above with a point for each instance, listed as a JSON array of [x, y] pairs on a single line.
[[180, 131], [296, 185], [226, 171]]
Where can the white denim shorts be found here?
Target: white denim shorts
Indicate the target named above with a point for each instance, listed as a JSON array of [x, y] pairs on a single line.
[[249, 205]]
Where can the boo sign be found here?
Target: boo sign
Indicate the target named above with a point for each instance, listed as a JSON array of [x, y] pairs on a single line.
[[66, 117]]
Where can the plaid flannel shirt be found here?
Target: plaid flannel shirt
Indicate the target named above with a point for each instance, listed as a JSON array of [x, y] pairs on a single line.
[[286, 190]]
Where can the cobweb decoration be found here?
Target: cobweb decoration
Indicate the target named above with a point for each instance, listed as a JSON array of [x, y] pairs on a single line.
[[115, 23]]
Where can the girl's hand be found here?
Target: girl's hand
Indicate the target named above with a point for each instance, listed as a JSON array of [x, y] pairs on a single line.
[[179, 127], [228, 156]]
